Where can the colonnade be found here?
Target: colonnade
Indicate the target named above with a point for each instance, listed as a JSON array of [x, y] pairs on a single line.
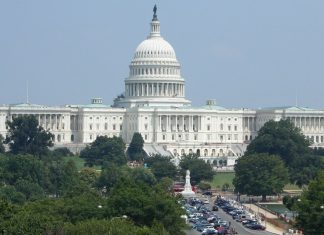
[[249, 123], [179, 123], [155, 89], [308, 123]]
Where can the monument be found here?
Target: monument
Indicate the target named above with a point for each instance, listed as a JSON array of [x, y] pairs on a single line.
[[187, 192]]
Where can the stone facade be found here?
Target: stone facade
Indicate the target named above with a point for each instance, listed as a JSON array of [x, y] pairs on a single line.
[[154, 104]]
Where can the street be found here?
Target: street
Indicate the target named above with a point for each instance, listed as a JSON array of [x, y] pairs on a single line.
[[239, 228]]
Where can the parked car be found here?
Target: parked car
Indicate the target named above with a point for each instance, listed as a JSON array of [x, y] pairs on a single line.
[[255, 226], [208, 193], [215, 208]]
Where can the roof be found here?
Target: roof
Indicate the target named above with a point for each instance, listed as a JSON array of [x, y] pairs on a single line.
[[289, 108]]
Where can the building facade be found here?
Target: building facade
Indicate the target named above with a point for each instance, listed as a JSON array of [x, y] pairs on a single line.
[[154, 105]]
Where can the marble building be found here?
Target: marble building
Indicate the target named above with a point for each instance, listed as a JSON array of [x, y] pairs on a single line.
[[154, 104]]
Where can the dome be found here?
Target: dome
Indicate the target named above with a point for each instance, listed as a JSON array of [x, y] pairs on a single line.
[[155, 47]]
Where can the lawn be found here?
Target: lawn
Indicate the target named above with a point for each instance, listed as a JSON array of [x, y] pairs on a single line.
[[221, 178], [79, 162]]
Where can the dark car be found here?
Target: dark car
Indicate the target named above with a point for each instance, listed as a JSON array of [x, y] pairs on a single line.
[[255, 226], [215, 208], [207, 193]]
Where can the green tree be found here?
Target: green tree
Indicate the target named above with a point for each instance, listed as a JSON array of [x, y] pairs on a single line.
[[2, 147], [161, 166], [114, 226], [199, 169], [260, 175], [282, 138], [310, 207], [105, 149], [145, 205], [135, 150], [26, 137]]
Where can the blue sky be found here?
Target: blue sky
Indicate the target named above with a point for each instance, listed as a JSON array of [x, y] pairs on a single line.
[[248, 53]]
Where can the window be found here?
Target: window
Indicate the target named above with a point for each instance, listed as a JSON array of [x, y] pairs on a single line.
[[235, 137], [173, 137], [90, 126], [235, 128], [121, 127], [114, 127], [72, 138], [97, 126], [208, 127], [163, 137], [90, 137], [221, 127], [229, 137], [106, 126], [195, 137], [145, 127], [229, 128], [145, 136]]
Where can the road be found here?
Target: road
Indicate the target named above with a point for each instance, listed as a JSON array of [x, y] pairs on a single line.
[[240, 229]]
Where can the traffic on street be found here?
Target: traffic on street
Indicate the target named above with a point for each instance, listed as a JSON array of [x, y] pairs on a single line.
[[220, 216]]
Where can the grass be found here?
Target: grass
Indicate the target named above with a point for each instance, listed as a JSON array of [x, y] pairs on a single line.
[[292, 187], [221, 178], [227, 177], [79, 162], [279, 208]]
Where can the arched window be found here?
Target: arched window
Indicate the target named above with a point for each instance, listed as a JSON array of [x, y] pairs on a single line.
[[205, 152], [198, 152], [72, 138], [182, 152]]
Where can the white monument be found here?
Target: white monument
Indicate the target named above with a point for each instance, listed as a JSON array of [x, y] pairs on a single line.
[[187, 192]]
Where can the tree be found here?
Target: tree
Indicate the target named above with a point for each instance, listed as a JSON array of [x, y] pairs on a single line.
[[199, 169], [310, 207], [105, 149], [282, 138], [26, 137], [161, 166], [2, 147], [260, 175], [135, 150]]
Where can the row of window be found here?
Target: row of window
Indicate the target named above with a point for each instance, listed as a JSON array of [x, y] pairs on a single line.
[[156, 53], [114, 126], [155, 71], [114, 118]]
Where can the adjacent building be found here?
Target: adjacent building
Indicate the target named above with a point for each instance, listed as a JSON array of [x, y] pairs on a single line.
[[154, 104]]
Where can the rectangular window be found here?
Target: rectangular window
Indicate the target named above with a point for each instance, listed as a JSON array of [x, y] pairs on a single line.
[[121, 127], [114, 127], [90, 126], [163, 137], [145, 136], [235, 128], [196, 137], [145, 127], [173, 137], [229, 128], [106, 126], [208, 127]]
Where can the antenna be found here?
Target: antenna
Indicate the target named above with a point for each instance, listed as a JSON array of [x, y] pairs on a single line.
[[27, 92]]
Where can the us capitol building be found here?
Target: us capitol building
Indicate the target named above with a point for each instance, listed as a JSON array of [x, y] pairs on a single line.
[[154, 104]]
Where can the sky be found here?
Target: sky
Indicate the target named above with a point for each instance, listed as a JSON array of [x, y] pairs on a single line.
[[247, 53]]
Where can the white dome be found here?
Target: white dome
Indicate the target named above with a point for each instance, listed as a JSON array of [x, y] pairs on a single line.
[[155, 47]]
